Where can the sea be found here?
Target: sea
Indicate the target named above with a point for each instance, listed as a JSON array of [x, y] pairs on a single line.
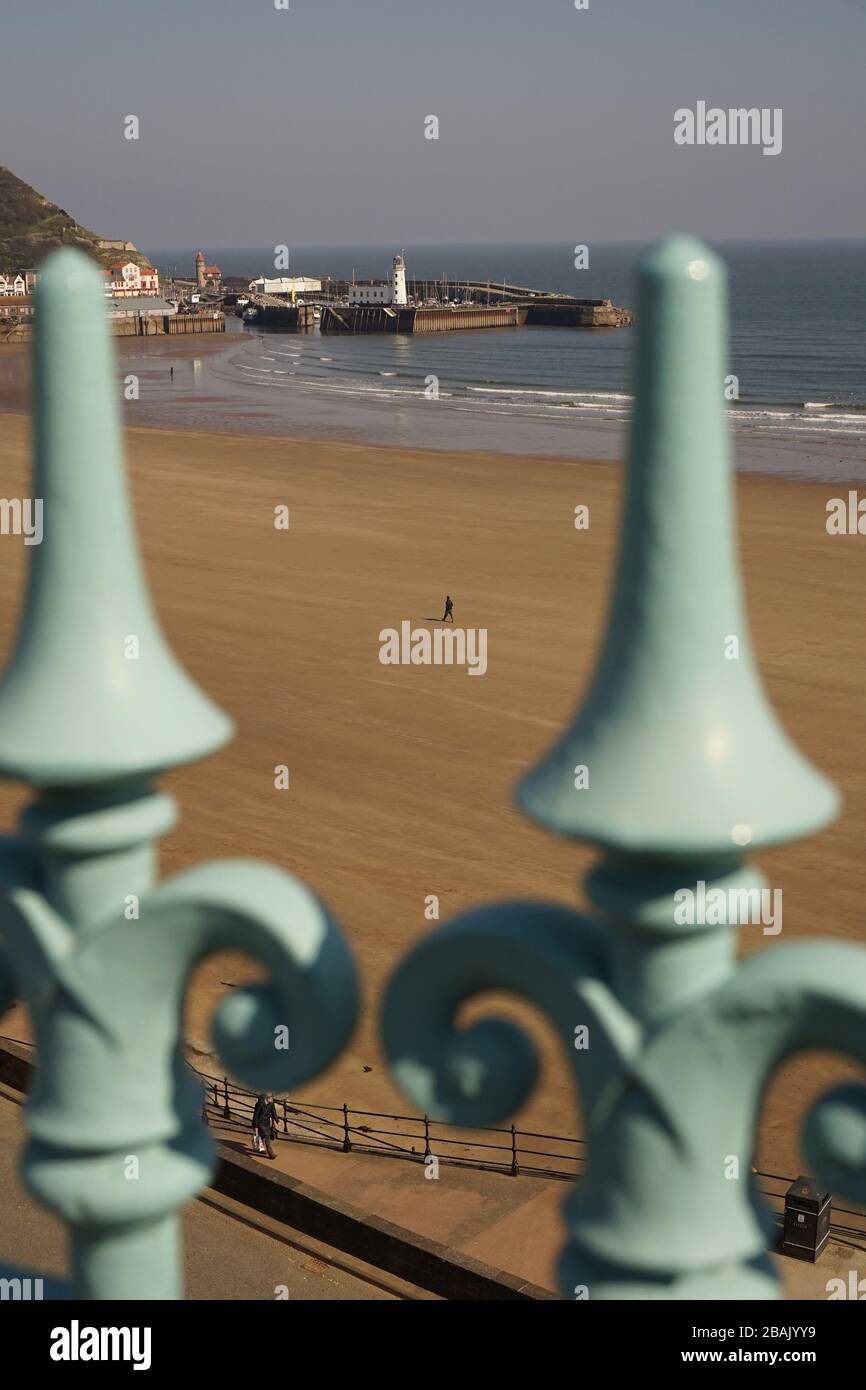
[[797, 349]]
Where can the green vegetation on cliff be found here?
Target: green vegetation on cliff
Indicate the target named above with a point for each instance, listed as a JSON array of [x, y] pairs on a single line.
[[31, 226]]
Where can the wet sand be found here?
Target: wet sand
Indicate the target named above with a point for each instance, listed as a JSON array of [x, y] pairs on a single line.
[[15, 360], [221, 385], [401, 777]]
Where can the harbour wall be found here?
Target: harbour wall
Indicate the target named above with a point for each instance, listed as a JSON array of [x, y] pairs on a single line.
[[590, 314], [139, 326], [152, 325], [377, 319]]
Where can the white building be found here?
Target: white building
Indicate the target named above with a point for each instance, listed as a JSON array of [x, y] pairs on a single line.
[[286, 284], [392, 293], [125, 279], [17, 282]]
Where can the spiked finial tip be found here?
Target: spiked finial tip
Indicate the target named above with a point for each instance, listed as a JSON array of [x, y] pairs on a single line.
[[92, 692], [677, 749]]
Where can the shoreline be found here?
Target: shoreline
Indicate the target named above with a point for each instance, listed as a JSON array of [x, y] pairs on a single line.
[[203, 399], [341, 444], [351, 442]]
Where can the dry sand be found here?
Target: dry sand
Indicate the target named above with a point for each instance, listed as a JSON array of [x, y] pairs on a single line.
[[401, 777]]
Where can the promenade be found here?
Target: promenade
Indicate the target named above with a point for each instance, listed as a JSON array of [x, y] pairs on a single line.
[[230, 1252]]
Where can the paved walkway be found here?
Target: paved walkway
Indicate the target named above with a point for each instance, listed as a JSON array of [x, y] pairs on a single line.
[[513, 1223], [229, 1252]]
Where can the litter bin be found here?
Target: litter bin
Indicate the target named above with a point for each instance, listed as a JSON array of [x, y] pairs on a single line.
[[807, 1220]]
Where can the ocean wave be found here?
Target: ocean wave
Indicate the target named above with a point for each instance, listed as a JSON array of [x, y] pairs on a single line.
[[538, 391]]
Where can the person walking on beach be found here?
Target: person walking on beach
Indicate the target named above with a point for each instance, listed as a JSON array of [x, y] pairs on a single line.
[[265, 1122], [448, 615], [172, 373]]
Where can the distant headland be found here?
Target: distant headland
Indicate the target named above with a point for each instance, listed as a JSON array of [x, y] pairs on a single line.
[[31, 227]]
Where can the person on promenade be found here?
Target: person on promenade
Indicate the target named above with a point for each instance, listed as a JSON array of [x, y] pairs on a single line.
[[449, 609], [265, 1122]]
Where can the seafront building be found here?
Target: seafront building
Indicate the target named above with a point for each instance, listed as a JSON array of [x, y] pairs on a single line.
[[15, 309], [207, 276], [17, 282], [16, 297], [125, 280], [288, 285], [392, 292], [132, 306]]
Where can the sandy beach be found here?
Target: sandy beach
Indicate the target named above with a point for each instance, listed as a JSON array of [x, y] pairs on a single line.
[[401, 776]]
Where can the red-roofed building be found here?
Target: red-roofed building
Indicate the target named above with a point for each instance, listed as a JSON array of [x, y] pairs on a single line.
[[207, 276], [124, 279]]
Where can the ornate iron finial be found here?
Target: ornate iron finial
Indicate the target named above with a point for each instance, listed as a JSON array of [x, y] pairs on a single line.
[[673, 765], [684, 754], [92, 706]]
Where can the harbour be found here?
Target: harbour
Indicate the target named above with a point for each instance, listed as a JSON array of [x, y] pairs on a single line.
[[368, 318], [414, 306]]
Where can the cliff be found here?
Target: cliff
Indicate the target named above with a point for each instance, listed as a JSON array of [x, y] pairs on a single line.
[[31, 227]]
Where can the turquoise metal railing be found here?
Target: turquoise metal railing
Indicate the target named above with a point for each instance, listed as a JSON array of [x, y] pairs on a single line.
[[683, 768], [93, 706], [674, 766]]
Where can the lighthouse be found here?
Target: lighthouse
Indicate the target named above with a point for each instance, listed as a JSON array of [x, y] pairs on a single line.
[[199, 270], [398, 282]]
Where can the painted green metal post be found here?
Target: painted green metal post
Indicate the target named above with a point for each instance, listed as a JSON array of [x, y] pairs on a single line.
[[674, 766], [93, 706]]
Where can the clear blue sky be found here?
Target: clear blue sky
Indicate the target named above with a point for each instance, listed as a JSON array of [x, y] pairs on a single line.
[[262, 127]]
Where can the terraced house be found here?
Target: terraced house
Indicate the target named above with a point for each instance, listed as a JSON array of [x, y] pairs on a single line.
[[17, 282]]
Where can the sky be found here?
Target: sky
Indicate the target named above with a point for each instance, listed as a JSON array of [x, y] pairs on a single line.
[[263, 126]]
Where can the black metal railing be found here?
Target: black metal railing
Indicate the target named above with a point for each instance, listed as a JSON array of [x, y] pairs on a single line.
[[417, 1138]]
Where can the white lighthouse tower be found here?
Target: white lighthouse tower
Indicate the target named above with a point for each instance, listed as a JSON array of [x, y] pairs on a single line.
[[398, 282]]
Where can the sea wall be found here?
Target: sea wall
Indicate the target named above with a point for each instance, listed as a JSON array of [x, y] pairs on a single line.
[[603, 314], [138, 326]]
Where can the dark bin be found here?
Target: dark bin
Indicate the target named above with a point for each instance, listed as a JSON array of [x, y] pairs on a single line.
[[807, 1220]]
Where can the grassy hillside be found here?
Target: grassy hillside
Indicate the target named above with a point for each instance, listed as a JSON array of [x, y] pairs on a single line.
[[31, 226]]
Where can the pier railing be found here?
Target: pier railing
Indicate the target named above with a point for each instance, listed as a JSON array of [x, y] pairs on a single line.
[[674, 767]]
